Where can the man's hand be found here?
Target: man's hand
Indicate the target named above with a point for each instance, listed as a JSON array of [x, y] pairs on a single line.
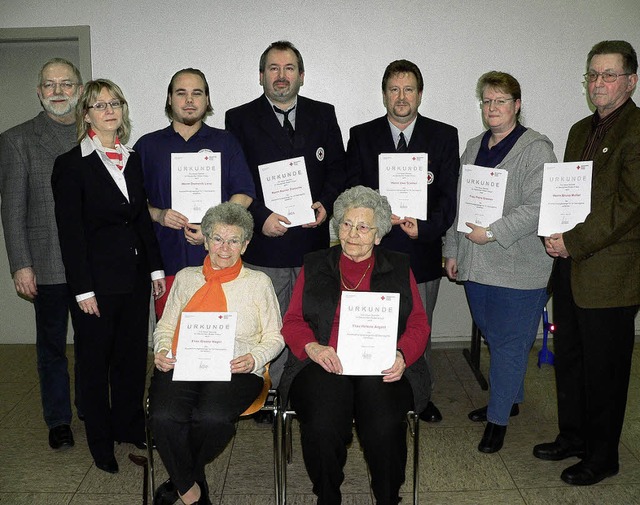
[[25, 282], [409, 225], [555, 246], [193, 234], [321, 215], [241, 199], [273, 227], [90, 306]]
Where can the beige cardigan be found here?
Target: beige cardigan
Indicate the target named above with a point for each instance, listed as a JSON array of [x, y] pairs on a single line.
[[251, 295]]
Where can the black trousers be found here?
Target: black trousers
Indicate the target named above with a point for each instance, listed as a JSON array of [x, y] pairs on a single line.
[[327, 404], [593, 349], [192, 422], [112, 365]]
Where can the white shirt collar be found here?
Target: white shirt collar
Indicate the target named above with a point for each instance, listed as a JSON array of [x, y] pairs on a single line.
[[408, 131], [88, 145]]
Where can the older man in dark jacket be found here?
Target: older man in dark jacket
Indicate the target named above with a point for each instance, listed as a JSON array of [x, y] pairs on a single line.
[[596, 288]]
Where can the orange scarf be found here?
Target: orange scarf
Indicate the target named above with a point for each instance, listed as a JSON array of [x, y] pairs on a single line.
[[210, 297]]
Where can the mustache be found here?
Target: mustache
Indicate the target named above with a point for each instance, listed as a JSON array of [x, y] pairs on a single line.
[[57, 97]]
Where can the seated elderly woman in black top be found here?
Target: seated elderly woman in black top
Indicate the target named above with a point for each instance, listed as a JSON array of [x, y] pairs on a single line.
[[193, 422], [326, 401]]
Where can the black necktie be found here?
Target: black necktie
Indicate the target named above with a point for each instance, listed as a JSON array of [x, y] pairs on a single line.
[[286, 124], [402, 144]]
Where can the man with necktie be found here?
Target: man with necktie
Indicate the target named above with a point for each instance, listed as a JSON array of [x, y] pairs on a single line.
[[403, 130], [281, 125]]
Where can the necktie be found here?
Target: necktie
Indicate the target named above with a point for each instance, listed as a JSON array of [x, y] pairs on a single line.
[[286, 123], [402, 144]]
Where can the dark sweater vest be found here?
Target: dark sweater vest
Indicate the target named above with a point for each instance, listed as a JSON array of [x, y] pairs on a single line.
[[322, 287], [320, 300]]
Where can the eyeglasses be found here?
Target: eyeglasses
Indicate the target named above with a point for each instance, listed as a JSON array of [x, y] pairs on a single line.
[[361, 228], [606, 76], [114, 104], [498, 102], [52, 85], [233, 243]]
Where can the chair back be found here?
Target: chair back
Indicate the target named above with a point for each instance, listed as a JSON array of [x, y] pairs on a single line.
[[258, 403]]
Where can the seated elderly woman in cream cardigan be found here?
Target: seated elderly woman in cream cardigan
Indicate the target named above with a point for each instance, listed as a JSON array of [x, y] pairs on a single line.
[[193, 422]]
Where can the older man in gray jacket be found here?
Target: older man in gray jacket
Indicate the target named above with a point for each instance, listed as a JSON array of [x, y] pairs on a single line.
[[27, 154]]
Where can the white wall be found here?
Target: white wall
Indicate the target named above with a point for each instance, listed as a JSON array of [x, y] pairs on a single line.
[[346, 45]]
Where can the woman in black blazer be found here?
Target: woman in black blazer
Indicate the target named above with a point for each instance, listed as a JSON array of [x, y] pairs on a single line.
[[112, 260]]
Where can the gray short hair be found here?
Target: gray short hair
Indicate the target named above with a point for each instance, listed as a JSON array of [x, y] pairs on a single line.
[[59, 61], [230, 214], [361, 196]]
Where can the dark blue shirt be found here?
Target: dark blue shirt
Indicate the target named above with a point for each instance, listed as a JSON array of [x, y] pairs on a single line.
[[155, 150]]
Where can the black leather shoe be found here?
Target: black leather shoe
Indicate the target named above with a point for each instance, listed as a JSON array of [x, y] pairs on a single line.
[[431, 414], [110, 465], [61, 437], [480, 415], [581, 474], [166, 493], [556, 451], [492, 439]]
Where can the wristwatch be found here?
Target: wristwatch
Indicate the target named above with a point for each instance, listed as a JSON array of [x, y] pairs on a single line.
[[490, 236]]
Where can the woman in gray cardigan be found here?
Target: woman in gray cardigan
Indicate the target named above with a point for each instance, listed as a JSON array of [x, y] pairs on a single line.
[[504, 266]]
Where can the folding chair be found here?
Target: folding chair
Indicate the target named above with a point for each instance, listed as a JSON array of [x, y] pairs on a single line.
[[267, 400], [286, 452]]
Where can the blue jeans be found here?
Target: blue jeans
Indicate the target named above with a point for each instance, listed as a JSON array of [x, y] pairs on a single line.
[[52, 316], [508, 319]]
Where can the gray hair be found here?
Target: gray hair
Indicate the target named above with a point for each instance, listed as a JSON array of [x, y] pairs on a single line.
[[60, 61], [230, 214], [363, 197]]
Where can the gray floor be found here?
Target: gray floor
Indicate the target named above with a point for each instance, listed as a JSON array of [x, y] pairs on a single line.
[[452, 471]]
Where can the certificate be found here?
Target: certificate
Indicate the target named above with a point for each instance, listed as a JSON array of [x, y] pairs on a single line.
[[286, 191], [205, 346], [566, 196], [482, 193], [403, 179], [195, 183], [368, 332]]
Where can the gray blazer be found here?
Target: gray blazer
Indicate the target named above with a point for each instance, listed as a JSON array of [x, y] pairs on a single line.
[[27, 154]]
